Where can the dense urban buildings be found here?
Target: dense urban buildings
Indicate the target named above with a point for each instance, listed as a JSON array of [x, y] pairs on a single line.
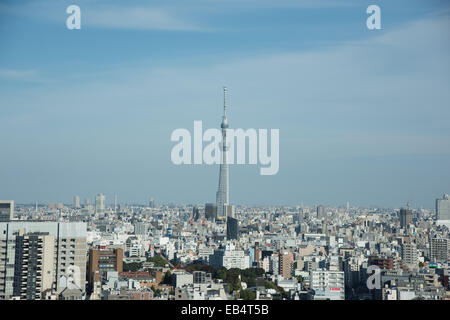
[[281, 252], [219, 251]]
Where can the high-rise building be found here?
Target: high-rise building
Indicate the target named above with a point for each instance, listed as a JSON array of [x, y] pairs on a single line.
[[409, 254], [76, 202], [41, 257], [439, 249], [195, 213], [232, 228], [443, 208], [320, 212], [285, 264], [100, 204], [210, 211], [222, 196], [405, 217], [6, 210]]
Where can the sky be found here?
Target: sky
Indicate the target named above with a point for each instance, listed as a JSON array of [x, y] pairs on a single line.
[[363, 114]]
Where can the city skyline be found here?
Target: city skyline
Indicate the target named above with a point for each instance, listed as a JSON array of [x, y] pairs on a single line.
[[216, 158], [362, 114]]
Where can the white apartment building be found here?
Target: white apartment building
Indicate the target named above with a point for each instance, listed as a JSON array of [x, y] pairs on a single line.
[[230, 258], [328, 285]]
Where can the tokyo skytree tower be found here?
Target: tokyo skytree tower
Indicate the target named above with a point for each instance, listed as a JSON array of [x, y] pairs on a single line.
[[223, 193]]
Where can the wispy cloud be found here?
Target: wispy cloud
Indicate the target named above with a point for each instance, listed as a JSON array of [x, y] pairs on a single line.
[[100, 14], [20, 75], [176, 15], [289, 3], [139, 18]]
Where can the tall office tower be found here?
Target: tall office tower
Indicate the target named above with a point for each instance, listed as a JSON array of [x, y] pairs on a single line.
[[115, 203], [101, 260], [443, 208], [222, 196], [439, 249], [405, 217], [195, 213], [320, 212], [100, 204], [41, 258], [6, 210], [409, 254], [210, 211], [151, 203], [232, 228], [87, 202], [285, 264], [76, 202]]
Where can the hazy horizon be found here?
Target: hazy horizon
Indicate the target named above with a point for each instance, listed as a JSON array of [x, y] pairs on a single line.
[[363, 115]]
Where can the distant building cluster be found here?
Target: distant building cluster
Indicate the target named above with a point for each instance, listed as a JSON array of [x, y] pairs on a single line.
[[187, 252]]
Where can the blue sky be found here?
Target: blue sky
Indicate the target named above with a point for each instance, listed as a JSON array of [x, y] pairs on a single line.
[[363, 115]]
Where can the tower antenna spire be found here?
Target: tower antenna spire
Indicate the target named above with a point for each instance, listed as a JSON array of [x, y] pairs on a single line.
[[224, 100]]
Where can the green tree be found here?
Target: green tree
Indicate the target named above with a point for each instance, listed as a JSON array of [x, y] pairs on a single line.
[[270, 285], [157, 292], [233, 279], [132, 266], [249, 275], [247, 295], [158, 261], [221, 273], [167, 277]]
